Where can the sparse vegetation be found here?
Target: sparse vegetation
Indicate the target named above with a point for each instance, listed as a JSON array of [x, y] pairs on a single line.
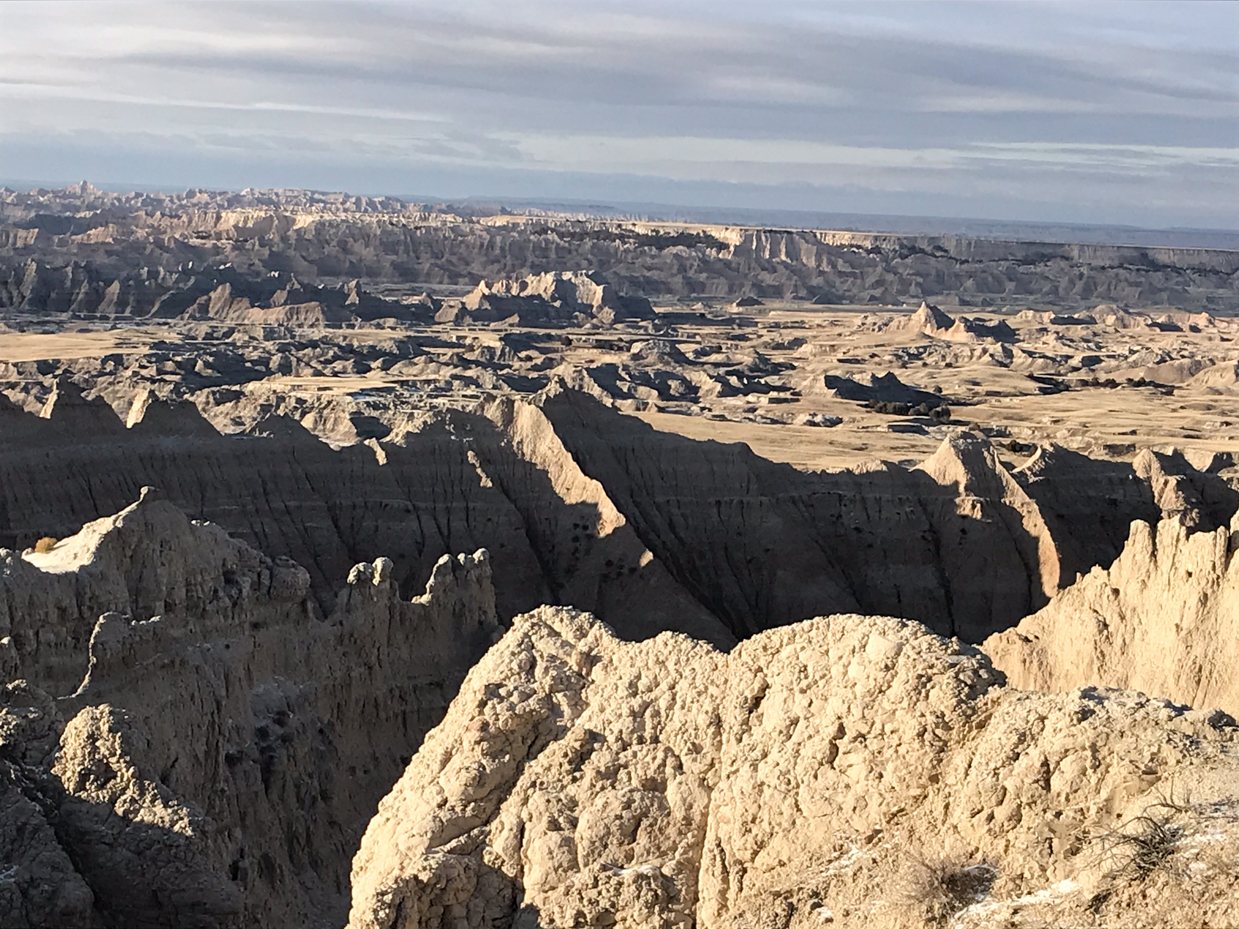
[[939, 887], [45, 544], [1020, 448], [940, 414], [1144, 843], [1138, 848]]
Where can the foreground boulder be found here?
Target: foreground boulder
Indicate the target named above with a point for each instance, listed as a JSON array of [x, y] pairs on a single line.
[[849, 771]]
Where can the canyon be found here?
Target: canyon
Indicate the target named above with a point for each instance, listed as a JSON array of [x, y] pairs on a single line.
[[365, 563]]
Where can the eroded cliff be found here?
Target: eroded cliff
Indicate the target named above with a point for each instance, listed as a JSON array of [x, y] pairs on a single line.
[[208, 750], [1164, 619], [585, 506]]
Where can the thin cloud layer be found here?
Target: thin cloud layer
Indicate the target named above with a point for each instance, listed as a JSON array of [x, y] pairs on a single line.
[[1120, 113]]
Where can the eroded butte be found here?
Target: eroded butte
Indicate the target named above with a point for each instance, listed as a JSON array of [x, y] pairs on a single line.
[[371, 564]]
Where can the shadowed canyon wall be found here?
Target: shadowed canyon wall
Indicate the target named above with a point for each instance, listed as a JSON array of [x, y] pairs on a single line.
[[584, 506], [187, 740]]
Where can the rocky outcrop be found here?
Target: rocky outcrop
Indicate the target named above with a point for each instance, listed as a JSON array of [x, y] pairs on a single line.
[[879, 388], [987, 495], [1088, 504], [852, 771], [553, 298], [588, 549], [225, 743], [762, 544], [1198, 499], [699, 537], [1164, 619], [139, 242], [931, 321], [52, 288], [457, 482]]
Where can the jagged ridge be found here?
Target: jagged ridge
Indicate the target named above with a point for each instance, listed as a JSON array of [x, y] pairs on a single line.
[[224, 743]]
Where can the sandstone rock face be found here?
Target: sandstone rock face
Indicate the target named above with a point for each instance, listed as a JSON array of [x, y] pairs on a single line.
[[586, 507], [208, 751], [458, 482], [578, 780], [205, 697], [1164, 619], [988, 493], [1087, 504], [931, 321], [1199, 499]]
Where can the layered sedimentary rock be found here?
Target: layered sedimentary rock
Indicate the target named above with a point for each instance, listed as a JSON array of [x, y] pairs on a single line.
[[1088, 505], [136, 241], [879, 388], [198, 720], [83, 289], [1164, 619], [931, 321], [208, 750], [584, 506], [851, 771], [1196, 498], [956, 543], [546, 299], [458, 483]]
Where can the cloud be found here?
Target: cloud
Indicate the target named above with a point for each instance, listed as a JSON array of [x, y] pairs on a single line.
[[731, 92]]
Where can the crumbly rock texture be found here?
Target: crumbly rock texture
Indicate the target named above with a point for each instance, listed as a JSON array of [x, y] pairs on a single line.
[[847, 771], [185, 741], [1164, 619]]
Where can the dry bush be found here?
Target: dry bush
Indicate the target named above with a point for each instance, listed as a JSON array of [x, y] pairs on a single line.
[[1144, 843], [45, 544], [938, 887], [1138, 848]]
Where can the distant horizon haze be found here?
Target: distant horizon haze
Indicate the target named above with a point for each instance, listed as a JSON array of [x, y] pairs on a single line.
[[1017, 112], [670, 213]]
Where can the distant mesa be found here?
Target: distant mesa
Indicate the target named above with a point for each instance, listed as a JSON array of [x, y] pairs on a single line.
[[555, 298], [85, 253]]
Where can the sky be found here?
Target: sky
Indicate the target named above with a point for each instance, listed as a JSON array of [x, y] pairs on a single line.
[[1058, 112]]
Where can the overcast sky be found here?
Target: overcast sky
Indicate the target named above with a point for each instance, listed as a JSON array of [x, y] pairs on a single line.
[[1087, 112]]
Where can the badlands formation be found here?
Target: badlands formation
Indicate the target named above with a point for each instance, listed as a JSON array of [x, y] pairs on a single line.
[[378, 565]]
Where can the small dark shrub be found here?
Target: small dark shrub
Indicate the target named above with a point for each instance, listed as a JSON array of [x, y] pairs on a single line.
[[940, 887]]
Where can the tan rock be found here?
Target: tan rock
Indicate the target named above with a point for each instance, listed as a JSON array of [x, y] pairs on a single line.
[[581, 781], [1164, 619], [224, 744]]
